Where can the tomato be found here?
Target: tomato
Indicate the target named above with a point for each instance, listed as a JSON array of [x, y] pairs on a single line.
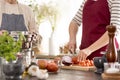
[[75, 60], [82, 63], [91, 62], [86, 63]]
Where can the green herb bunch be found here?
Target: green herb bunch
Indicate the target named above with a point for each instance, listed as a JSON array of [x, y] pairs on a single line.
[[9, 47]]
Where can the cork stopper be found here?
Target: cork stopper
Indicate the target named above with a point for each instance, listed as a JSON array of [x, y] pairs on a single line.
[[111, 28]]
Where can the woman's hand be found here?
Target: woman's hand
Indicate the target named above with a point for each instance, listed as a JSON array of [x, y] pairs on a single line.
[[83, 54], [72, 46]]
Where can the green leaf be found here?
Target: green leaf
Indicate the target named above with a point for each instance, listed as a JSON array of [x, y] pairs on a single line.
[[9, 47]]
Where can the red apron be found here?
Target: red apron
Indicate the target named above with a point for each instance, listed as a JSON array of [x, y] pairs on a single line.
[[96, 17]]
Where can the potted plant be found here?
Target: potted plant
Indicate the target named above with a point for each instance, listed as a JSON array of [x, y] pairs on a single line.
[[9, 47]]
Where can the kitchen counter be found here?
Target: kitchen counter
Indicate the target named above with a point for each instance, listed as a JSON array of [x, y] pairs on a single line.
[[50, 56], [67, 74], [74, 75], [71, 75]]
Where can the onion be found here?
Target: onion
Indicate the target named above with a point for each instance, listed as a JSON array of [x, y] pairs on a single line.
[[52, 67], [67, 60], [42, 63]]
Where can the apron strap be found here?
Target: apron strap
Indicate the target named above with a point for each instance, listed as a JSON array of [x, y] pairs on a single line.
[[13, 22]]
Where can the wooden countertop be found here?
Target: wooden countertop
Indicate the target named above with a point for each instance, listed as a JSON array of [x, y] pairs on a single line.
[[71, 75], [67, 74], [50, 56], [45, 57]]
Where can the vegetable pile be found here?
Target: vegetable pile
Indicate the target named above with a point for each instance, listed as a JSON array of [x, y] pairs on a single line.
[[68, 60], [50, 66]]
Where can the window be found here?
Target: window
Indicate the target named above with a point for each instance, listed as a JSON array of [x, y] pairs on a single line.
[[61, 36], [67, 9]]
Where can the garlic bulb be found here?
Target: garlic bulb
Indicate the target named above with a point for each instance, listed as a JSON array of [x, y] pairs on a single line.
[[33, 70], [42, 74], [39, 73]]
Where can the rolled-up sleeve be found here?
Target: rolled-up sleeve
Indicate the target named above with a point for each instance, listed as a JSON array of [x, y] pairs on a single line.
[[78, 16], [115, 14]]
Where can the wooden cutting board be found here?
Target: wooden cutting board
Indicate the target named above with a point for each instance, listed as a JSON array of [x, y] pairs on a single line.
[[113, 76], [82, 68]]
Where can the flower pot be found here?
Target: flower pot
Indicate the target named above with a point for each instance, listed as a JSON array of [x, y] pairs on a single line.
[[51, 45]]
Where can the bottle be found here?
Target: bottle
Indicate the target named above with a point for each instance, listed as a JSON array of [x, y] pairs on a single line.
[[33, 58], [111, 54]]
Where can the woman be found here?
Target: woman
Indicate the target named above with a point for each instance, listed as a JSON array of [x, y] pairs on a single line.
[[94, 15], [15, 16]]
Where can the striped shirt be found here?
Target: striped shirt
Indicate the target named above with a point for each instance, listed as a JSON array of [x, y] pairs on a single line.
[[114, 8]]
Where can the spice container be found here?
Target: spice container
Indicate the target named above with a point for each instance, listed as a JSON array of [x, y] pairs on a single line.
[[111, 53]]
